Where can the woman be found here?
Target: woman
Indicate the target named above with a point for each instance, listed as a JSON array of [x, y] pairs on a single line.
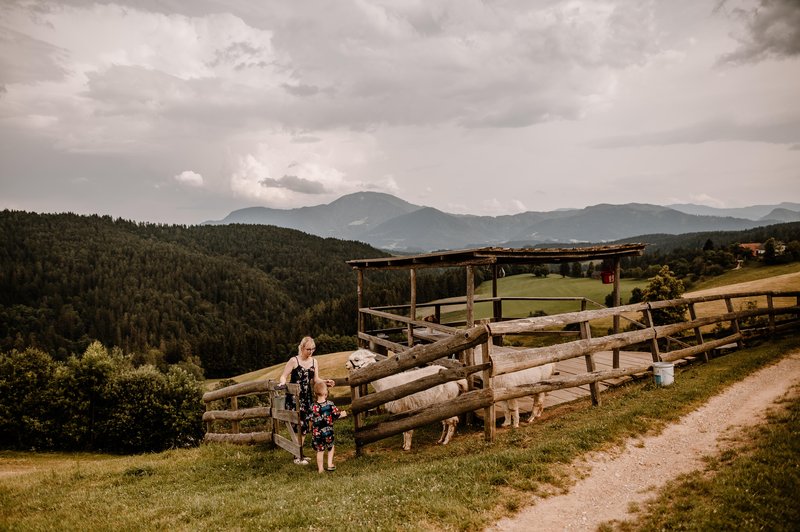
[[302, 369]]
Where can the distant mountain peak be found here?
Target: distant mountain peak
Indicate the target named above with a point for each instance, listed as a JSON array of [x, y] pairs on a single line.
[[388, 222]]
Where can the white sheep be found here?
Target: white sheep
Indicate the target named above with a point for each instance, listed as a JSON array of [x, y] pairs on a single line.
[[437, 394], [509, 380]]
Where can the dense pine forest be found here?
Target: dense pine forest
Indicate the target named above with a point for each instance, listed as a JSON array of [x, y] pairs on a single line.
[[228, 299]]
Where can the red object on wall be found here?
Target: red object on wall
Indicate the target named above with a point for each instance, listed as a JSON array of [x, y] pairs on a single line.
[[608, 277]]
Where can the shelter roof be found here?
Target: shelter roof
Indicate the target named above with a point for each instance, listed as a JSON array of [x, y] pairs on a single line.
[[499, 255]]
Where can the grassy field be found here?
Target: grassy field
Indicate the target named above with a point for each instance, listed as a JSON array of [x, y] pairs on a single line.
[[526, 285], [464, 486]]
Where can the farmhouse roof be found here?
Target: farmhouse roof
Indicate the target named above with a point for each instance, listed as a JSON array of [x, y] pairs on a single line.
[[499, 255]]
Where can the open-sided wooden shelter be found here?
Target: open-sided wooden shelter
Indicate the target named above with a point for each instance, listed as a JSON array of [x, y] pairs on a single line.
[[493, 257]]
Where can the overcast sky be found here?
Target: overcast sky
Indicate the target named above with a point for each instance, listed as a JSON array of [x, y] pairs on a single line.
[[181, 111]]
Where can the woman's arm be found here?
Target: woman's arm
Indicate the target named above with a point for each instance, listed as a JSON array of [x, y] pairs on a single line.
[[329, 382], [287, 369]]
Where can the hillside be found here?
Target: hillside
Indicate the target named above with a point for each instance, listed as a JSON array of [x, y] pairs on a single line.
[[233, 297]]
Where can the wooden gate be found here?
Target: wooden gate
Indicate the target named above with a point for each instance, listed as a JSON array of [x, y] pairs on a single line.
[[277, 421]]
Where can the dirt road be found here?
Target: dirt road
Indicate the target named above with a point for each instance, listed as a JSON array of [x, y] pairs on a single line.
[[631, 475]]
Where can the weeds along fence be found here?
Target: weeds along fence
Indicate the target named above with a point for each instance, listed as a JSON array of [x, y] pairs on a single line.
[[261, 408], [713, 322]]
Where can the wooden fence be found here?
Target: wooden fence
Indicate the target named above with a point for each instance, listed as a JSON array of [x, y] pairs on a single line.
[[275, 419], [759, 313]]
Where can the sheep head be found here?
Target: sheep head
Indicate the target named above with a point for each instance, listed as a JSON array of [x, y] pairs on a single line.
[[359, 359]]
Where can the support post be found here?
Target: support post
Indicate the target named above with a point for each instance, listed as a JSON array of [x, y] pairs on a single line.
[[361, 319], [497, 305], [235, 423], [467, 357], [698, 334], [413, 310], [617, 301], [771, 307], [648, 320], [734, 322], [358, 417], [489, 413], [586, 334]]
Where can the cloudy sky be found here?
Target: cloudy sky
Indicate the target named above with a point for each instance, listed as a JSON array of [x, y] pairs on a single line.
[[180, 111]]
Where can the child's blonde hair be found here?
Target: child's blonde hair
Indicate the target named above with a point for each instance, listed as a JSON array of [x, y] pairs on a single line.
[[320, 389]]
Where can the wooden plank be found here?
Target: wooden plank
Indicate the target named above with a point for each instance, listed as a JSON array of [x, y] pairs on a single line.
[[290, 416], [236, 415], [287, 444], [243, 438]]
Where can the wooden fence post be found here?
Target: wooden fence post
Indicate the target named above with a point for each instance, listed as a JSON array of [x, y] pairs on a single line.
[[698, 334], [361, 318], [771, 307], [617, 302], [586, 334], [734, 321], [490, 412], [647, 317], [235, 406]]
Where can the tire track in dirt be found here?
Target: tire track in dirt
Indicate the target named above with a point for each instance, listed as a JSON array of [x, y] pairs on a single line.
[[632, 474]]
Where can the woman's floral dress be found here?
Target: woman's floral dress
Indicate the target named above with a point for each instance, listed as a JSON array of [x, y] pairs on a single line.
[[305, 378]]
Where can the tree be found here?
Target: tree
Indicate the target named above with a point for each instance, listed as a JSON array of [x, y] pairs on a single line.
[[708, 246], [770, 253], [575, 270], [563, 269], [662, 287]]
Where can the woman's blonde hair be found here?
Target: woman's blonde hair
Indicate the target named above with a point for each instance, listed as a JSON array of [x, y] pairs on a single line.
[[303, 343]]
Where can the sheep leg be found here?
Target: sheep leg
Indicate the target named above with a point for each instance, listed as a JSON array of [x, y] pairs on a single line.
[[407, 440], [448, 429], [512, 413], [538, 406]]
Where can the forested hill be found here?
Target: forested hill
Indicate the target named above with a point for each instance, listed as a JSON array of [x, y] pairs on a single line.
[[238, 297]]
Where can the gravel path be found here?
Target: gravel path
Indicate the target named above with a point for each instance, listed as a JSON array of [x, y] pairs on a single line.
[[615, 480]]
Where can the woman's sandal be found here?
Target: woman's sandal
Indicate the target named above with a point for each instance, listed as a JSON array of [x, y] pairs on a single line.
[[330, 468], [302, 461]]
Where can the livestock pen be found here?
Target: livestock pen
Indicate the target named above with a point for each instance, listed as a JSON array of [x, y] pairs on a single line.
[[705, 331]]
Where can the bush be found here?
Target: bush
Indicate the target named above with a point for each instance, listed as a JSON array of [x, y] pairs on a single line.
[[26, 403], [145, 410], [662, 287], [96, 401]]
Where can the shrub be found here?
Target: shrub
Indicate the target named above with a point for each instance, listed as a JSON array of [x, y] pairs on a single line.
[[96, 401], [26, 405], [665, 286], [145, 410]]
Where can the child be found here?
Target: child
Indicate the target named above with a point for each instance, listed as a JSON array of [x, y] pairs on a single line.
[[321, 418]]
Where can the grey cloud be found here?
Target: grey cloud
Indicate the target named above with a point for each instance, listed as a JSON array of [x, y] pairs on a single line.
[[300, 89], [787, 132], [773, 30], [295, 184], [306, 139], [26, 60]]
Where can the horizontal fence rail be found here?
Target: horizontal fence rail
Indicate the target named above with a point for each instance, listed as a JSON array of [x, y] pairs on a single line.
[[743, 323]]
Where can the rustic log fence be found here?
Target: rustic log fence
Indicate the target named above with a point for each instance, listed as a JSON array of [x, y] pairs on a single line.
[[699, 325], [275, 418]]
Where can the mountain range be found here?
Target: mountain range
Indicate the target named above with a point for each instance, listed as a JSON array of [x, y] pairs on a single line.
[[390, 223]]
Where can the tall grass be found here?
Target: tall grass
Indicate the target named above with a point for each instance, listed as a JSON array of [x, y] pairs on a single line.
[[464, 486]]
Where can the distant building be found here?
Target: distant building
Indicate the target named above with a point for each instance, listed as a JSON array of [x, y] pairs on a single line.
[[756, 248]]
